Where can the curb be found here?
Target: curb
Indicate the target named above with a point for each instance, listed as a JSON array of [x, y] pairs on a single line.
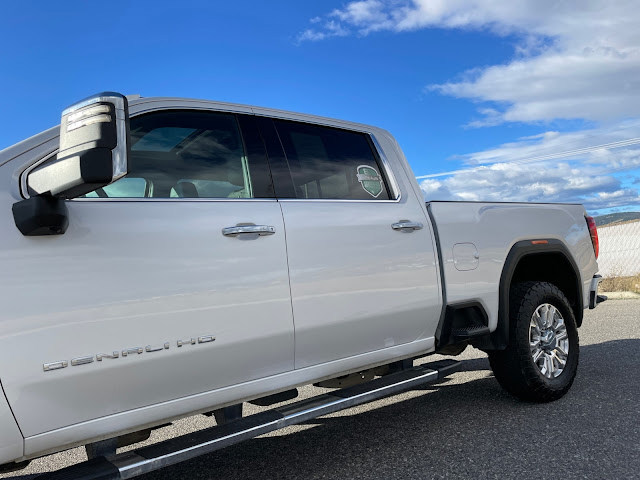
[[621, 295]]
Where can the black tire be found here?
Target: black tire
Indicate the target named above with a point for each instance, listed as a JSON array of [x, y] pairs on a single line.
[[515, 367]]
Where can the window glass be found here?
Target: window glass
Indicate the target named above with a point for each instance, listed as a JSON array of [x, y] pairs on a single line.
[[184, 154], [331, 163], [162, 139], [125, 187]]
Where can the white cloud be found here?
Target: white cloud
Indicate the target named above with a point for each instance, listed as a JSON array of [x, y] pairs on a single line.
[[576, 59], [539, 169], [330, 28], [589, 145], [367, 12], [524, 183], [555, 85]]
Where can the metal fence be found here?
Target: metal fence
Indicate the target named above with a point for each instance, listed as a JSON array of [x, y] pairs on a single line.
[[619, 249]]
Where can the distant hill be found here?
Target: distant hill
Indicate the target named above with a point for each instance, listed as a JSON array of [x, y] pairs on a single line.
[[610, 218]]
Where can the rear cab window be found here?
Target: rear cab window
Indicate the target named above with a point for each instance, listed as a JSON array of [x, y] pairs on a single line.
[[332, 163]]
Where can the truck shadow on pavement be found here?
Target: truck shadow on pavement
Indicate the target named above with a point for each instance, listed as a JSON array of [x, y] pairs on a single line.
[[465, 427]]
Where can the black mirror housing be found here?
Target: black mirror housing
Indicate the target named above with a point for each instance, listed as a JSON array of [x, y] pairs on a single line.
[[41, 215]]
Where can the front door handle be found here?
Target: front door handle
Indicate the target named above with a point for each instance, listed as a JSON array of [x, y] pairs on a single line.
[[407, 226], [248, 229]]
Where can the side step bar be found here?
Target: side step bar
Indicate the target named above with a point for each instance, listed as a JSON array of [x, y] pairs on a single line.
[[169, 452], [467, 333]]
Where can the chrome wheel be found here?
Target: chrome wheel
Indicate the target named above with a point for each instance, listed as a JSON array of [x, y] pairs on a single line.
[[541, 358], [548, 340]]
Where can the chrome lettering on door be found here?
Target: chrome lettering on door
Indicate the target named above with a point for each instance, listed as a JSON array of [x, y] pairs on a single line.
[[191, 341], [149, 348], [47, 367], [81, 360], [99, 357], [129, 351]]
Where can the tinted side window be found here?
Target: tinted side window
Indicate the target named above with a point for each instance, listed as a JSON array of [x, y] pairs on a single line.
[[127, 187], [331, 163], [186, 154]]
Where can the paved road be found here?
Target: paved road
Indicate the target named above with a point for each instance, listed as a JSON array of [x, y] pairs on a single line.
[[466, 427]]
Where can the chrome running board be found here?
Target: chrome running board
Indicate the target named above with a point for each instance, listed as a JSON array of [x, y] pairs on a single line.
[[169, 452]]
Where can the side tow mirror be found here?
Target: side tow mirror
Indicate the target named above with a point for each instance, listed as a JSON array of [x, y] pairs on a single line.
[[94, 147], [94, 152]]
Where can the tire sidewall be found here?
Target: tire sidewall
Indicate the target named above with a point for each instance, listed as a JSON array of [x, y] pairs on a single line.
[[533, 299]]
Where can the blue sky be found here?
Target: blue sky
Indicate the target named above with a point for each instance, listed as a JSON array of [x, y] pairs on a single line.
[[511, 95]]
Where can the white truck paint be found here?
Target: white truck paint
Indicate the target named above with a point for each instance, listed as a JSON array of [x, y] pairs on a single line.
[[334, 290], [494, 229]]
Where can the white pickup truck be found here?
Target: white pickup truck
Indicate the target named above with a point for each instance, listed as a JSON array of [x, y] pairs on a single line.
[[165, 257]]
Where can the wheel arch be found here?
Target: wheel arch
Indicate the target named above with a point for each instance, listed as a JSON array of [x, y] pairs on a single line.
[[545, 260]]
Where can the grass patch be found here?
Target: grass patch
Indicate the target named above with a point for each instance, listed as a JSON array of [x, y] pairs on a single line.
[[621, 284]]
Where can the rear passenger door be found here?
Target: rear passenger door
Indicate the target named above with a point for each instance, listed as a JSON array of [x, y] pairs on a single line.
[[357, 284]]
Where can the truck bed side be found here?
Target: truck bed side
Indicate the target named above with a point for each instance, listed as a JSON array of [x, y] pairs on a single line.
[[488, 231]]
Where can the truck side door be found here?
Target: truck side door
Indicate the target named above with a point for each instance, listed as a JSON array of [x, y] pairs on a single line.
[[359, 281], [158, 290]]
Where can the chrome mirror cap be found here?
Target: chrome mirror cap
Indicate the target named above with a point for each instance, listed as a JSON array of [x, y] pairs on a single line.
[[94, 148]]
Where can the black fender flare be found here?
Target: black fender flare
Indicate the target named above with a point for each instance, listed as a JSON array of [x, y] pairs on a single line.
[[499, 338]]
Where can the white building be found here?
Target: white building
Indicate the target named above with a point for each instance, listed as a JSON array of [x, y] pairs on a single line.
[[619, 249]]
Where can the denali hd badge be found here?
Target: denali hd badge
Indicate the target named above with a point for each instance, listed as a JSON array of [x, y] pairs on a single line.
[[126, 352], [370, 180]]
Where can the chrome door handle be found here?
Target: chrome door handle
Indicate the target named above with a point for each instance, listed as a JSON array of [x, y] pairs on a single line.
[[407, 226], [254, 229]]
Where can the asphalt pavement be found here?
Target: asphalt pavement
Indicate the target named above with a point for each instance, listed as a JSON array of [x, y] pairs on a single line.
[[466, 427]]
